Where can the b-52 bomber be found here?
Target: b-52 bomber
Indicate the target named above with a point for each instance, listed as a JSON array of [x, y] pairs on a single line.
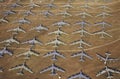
[[17, 30], [103, 24], [67, 6], [39, 28], [109, 72], [14, 5], [32, 41], [86, 7], [61, 24], [10, 40], [47, 13], [54, 55], [64, 14], [9, 12], [58, 32], [51, 5], [103, 15], [21, 68], [3, 20], [28, 54], [53, 69], [5, 51], [102, 33], [22, 21], [28, 12], [82, 23], [79, 75], [84, 14], [82, 32], [56, 42], [81, 42], [104, 7], [107, 58], [32, 5], [82, 55]]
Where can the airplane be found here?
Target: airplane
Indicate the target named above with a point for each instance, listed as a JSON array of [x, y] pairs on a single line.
[[4, 20], [57, 42], [109, 72], [33, 41], [67, 6], [82, 55], [10, 40], [86, 7], [28, 54], [82, 32], [58, 32], [5, 50], [103, 15], [79, 75], [47, 13], [61, 24], [17, 30], [21, 68], [33, 5], [83, 23], [104, 7], [84, 14], [106, 58], [54, 55], [103, 24], [81, 42], [14, 5], [51, 5], [39, 28], [9, 12], [64, 14], [102, 33], [23, 21], [53, 68], [28, 12]]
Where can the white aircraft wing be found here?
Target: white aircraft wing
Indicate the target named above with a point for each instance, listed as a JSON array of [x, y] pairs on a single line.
[[46, 69], [16, 67], [100, 57], [75, 42], [101, 72], [114, 71], [86, 55], [27, 69], [59, 69]]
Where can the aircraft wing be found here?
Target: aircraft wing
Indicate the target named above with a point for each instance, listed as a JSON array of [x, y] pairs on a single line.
[[16, 67], [60, 55], [28, 69], [59, 69], [112, 59], [101, 72], [86, 55], [51, 42], [75, 42], [46, 69], [38, 42], [100, 57], [8, 52], [114, 71], [86, 43], [15, 41]]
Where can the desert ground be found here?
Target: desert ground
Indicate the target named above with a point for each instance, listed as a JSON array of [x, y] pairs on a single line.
[[71, 65]]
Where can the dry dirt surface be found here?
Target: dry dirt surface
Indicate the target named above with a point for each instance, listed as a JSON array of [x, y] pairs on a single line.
[[71, 65]]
